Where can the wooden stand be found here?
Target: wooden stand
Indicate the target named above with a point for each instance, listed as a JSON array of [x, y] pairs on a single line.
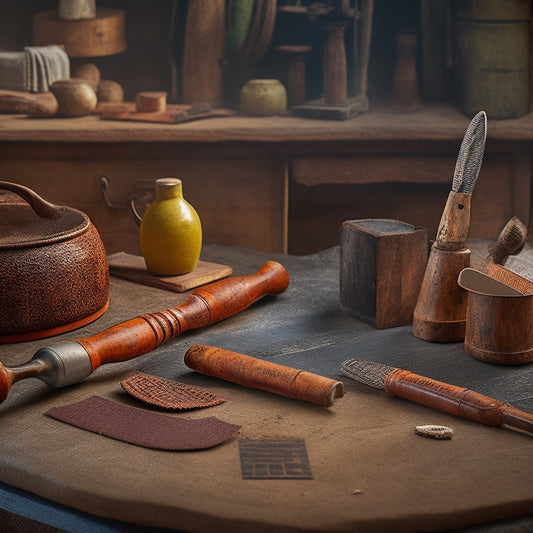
[[335, 104], [295, 72], [406, 96], [102, 35]]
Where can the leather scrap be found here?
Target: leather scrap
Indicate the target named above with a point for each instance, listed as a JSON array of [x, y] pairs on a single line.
[[142, 427], [284, 458], [167, 393]]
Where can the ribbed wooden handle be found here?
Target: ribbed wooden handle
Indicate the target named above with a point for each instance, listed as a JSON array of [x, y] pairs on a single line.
[[206, 305], [263, 375], [458, 401]]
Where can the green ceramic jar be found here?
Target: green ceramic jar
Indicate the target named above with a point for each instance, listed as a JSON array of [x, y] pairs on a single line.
[[263, 97]]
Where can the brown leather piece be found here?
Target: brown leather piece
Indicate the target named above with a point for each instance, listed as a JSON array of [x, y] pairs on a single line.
[[142, 427], [167, 393]]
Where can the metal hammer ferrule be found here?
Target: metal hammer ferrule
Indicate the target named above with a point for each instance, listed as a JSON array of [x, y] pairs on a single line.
[[65, 363]]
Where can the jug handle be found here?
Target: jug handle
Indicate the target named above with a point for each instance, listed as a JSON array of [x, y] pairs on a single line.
[[136, 216], [42, 208]]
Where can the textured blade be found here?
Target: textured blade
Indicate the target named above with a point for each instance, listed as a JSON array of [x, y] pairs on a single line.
[[367, 372], [470, 155]]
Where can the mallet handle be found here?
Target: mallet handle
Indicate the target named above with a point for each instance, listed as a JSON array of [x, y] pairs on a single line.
[[206, 305]]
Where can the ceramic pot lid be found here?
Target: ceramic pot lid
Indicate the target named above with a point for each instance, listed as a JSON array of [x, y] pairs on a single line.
[[37, 224]]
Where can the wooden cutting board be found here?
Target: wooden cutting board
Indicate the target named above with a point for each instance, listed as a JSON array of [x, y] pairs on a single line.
[[173, 113], [133, 268]]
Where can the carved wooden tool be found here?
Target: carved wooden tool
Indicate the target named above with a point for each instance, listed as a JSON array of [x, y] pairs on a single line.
[[440, 312], [263, 375], [510, 241], [458, 401], [68, 362]]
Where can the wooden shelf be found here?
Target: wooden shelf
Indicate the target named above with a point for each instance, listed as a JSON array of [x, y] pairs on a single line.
[[434, 123], [277, 183]]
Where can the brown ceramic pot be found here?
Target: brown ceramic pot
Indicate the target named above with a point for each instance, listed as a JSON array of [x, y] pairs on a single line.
[[54, 275]]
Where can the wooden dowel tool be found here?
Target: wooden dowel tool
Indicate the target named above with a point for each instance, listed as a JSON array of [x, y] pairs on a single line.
[[68, 362], [263, 375]]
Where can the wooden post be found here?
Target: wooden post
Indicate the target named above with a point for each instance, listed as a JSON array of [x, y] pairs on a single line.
[[335, 82]]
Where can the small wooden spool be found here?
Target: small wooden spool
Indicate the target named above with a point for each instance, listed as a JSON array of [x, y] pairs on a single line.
[[294, 56], [151, 101], [102, 35]]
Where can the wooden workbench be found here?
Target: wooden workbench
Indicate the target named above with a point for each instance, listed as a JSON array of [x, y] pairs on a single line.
[[370, 471]]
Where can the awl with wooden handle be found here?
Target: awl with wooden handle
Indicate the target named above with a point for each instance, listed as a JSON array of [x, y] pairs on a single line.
[[458, 401], [68, 362]]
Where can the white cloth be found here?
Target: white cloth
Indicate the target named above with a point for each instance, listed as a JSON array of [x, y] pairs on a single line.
[[34, 69]]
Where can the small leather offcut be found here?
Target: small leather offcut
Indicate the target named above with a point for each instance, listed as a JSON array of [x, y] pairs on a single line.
[[142, 427], [284, 458], [169, 394]]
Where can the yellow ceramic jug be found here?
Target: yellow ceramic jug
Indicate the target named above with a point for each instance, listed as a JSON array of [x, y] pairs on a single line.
[[171, 231]]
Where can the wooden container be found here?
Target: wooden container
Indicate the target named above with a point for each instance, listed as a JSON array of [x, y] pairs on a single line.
[[440, 312], [498, 322], [102, 35], [492, 45], [382, 265]]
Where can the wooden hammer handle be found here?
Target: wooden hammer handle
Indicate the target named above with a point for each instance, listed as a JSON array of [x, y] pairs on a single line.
[[206, 305], [263, 375], [458, 401]]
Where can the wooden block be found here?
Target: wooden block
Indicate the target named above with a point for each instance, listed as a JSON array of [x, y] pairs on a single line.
[[321, 110], [151, 101], [173, 113], [133, 268], [382, 266]]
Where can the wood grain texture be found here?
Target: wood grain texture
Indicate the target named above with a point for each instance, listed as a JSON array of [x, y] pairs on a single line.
[[239, 201], [207, 305], [204, 51], [263, 375], [99, 36], [440, 312], [435, 123], [292, 181], [458, 401], [381, 270]]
